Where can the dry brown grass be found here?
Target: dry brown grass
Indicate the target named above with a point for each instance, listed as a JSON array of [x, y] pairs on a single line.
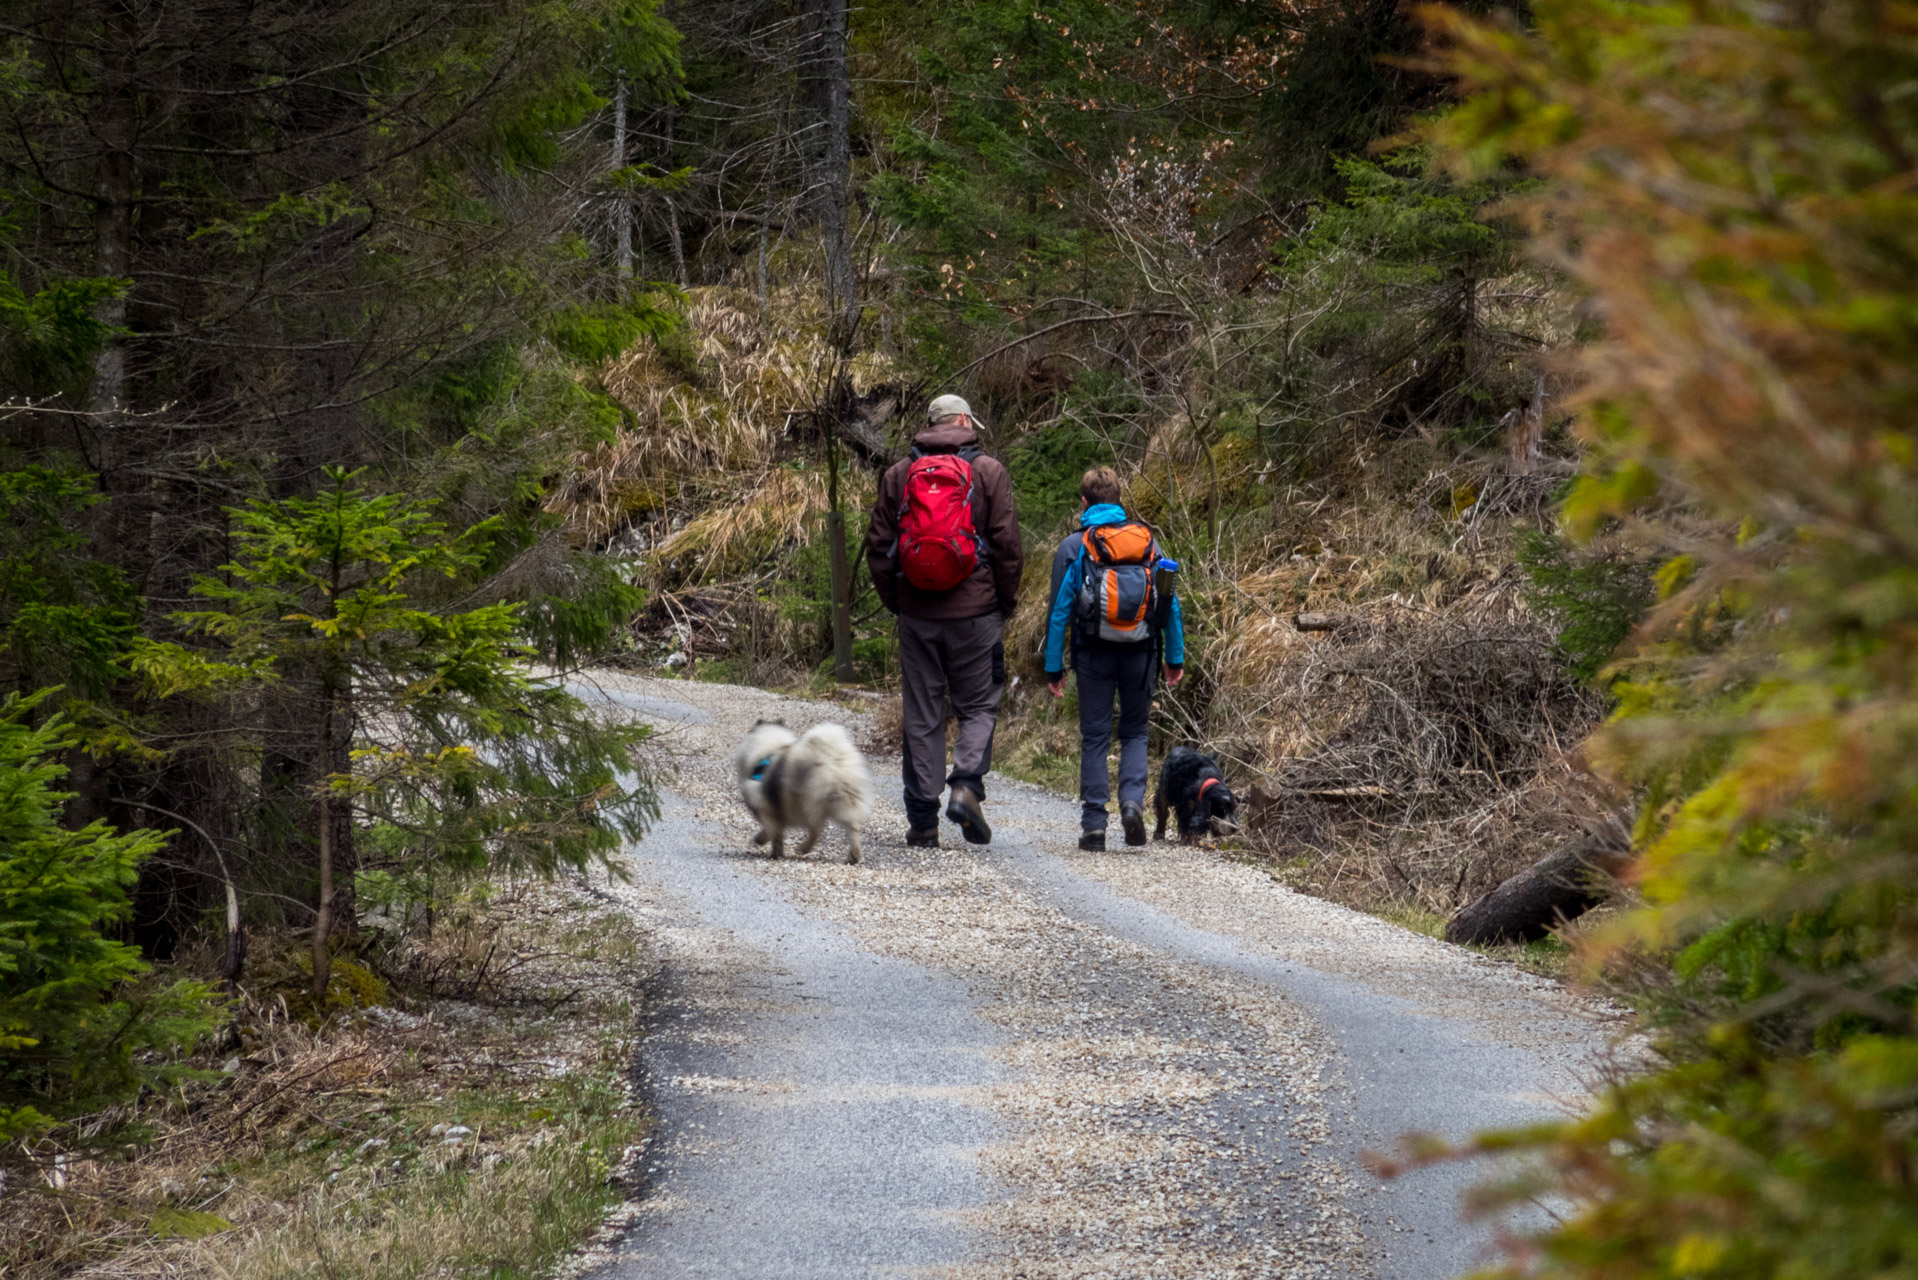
[[713, 416], [716, 492], [739, 534], [315, 1155], [886, 730], [1407, 759]]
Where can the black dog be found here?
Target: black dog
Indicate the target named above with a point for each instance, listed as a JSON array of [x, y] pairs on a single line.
[[1191, 783]]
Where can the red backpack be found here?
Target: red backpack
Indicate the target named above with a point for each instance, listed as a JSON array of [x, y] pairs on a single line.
[[938, 547]]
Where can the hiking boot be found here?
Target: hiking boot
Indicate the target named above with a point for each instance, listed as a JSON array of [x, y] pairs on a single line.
[[963, 808], [1092, 841], [922, 837], [1132, 817]]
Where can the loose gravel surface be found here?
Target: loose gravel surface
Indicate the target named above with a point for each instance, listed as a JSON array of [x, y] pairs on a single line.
[[1026, 1061]]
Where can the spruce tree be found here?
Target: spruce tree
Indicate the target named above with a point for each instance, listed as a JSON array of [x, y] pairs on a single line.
[[425, 720], [76, 1030]]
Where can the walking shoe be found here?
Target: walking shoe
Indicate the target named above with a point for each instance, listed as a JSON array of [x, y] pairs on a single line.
[[922, 837], [963, 808], [1092, 841], [1132, 817]]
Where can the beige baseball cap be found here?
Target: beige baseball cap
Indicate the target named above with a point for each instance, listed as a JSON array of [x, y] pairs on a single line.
[[947, 407]]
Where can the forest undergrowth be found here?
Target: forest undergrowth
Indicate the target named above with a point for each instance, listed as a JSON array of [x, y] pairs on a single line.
[[465, 1108], [1186, 245]]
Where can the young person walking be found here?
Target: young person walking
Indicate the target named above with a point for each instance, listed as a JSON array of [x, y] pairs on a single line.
[[945, 557], [1110, 592]]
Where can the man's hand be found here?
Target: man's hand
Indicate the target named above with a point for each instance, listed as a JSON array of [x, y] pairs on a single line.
[[1057, 688], [1173, 675]]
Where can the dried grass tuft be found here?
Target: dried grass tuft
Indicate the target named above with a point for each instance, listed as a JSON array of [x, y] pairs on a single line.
[[741, 533], [720, 405], [886, 730], [314, 1154], [1414, 755]]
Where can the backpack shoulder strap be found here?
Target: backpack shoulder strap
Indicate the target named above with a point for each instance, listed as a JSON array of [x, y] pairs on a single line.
[[976, 499]]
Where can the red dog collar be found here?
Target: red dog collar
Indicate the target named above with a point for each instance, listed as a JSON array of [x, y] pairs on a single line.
[[1209, 782]]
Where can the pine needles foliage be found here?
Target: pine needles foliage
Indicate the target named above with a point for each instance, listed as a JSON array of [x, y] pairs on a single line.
[[1592, 600], [76, 1031], [431, 732], [1731, 183]]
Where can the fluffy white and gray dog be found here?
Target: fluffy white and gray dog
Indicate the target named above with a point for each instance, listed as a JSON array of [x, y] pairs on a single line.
[[805, 781]]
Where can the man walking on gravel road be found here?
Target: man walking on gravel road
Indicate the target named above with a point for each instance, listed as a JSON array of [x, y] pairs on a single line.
[[945, 557], [1112, 590]]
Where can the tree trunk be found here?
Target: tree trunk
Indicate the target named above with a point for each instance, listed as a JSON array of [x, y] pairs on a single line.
[[1524, 444], [672, 208], [841, 573], [624, 210], [323, 917], [841, 598], [678, 245], [828, 98], [323, 911], [762, 274], [113, 219], [1557, 888]]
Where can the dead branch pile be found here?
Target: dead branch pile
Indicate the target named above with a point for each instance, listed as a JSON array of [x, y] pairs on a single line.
[[1428, 711], [1411, 745]]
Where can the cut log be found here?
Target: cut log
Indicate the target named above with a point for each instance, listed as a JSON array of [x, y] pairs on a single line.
[[1315, 621], [1560, 887]]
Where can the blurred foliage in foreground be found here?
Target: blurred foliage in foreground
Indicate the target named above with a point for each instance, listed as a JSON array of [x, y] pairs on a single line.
[[1733, 183]]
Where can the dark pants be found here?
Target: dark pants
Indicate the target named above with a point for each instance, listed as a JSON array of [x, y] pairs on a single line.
[[962, 660], [1104, 673]]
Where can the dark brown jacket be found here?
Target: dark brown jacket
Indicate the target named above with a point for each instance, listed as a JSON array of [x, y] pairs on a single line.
[[994, 585]]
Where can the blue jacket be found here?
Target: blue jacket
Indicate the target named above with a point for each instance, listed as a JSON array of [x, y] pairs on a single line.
[[1068, 572]]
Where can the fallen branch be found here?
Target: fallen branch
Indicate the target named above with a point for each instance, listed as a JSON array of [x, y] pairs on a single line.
[[1066, 324]]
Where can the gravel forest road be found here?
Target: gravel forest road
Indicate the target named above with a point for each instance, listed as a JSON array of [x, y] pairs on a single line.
[[1027, 1061]]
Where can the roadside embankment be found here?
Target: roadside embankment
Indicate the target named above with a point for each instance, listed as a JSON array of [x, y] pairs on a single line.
[[465, 1116]]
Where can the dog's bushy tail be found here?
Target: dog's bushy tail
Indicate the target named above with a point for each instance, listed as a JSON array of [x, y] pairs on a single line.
[[831, 746]]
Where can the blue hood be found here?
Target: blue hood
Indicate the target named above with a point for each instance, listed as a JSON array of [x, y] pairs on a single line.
[[1103, 513]]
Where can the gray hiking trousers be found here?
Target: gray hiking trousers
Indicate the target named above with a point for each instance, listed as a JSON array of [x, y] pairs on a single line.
[[958, 659], [1104, 674]]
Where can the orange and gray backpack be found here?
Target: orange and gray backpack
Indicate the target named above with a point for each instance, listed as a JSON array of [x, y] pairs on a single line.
[[1116, 591]]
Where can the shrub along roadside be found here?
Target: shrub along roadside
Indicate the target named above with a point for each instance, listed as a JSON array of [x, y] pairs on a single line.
[[471, 1122], [1731, 181]]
